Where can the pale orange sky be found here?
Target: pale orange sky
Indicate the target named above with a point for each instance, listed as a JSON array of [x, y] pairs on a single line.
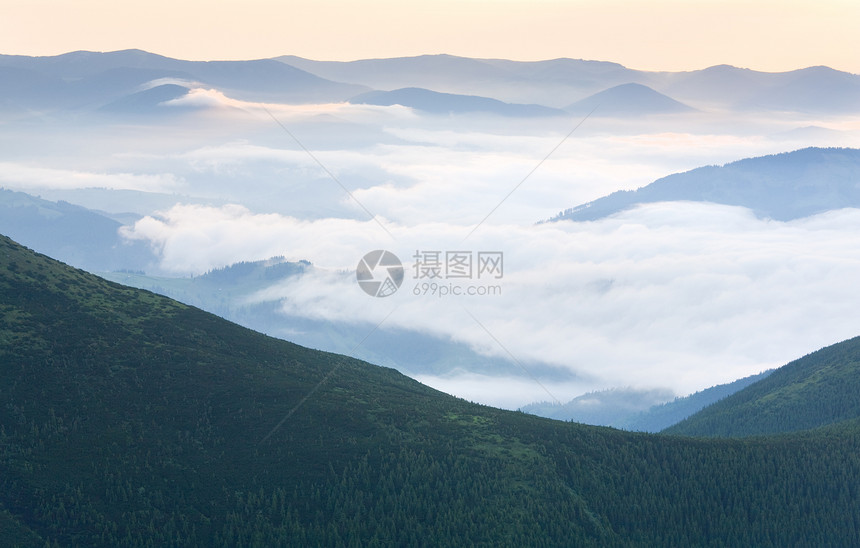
[[643, 34]]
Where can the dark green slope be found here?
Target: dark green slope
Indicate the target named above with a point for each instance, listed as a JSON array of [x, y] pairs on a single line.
[[660, 417], [818, 389], [127, 419]]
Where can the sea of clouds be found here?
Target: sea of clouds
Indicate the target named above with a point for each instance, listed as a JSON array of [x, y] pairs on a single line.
[[676, 294]]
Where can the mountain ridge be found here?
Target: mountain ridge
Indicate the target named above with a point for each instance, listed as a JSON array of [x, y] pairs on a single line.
[[819, 389], [85, 79], [434, 102], [74, 77], [626, 100], [635, 410], [129, 419], [72, 233], [560, 82], [783, 186]]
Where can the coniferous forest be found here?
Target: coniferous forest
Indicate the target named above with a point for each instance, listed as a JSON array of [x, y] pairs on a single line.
[[128, 419]]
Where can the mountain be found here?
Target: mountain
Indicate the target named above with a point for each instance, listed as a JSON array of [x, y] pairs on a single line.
[[447, 103], [782, 186], [637, 410], [581, 73], [603, 408], [76, 235], [128, 419], [819, 389], [147, 101], [90, 80], [812, 89], [560, 82], [664, 415], [447, 72], [628, 100], [554, 83]]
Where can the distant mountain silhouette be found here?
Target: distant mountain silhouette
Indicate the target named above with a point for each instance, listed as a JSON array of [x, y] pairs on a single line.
[[603, 408], [147, 101], [628, 100], [560, 82], [813, 89], [637, 409], [578, 72], [783, 186], [79, 236], [423, 71], [84, 79], [448, 103]]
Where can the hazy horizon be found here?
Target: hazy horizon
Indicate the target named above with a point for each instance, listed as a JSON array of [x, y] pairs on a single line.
[[667, 35]]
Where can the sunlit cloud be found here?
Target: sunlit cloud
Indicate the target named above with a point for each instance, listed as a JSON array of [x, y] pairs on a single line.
[[201, 97], [25, 177]]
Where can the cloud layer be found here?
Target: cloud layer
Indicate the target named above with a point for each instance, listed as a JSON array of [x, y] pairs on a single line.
[[684, 295], [674, 294]]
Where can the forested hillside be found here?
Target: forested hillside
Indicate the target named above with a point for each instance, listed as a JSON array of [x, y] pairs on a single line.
[[819, 389], [128, 419]]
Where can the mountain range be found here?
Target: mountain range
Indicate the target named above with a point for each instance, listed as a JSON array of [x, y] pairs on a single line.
[[628, 100], [560, 82], [128, 419], [448, 103], [85, 80], [638, 410], [85, 238], [782, 186]]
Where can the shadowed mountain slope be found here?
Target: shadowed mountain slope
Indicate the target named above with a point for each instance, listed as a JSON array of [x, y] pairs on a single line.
[[783, 186], [819, 389], [128, 419]]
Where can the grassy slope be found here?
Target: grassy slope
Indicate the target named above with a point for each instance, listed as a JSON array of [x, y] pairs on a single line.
[[127, 419], [816, 390]]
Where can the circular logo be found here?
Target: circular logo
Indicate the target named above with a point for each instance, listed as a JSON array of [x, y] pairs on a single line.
[[379, 273]]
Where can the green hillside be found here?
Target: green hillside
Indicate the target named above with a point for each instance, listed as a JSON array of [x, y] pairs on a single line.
[[127, 419], [820, 388], [662, 416]]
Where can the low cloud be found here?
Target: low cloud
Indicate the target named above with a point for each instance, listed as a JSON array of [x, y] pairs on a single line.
[[684, 295], [679, 294], [27, 177]]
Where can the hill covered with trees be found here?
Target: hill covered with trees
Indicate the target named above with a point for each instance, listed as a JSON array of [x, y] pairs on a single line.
[[816, 390], [128, 419]]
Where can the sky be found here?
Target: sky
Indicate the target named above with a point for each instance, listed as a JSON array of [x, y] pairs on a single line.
[[669, 295], [666, 35]]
